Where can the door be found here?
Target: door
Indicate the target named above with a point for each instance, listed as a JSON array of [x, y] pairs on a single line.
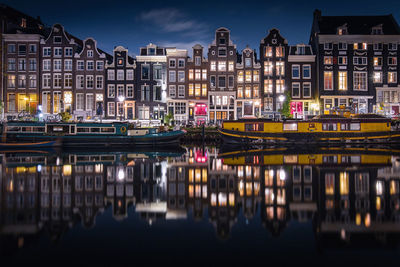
[[129, 113]]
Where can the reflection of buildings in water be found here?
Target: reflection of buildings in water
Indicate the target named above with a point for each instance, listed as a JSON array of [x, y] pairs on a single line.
[[359, 202], [354, 194]]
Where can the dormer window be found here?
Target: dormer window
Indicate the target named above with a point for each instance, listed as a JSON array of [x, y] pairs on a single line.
[[151, 51], [90, 53], [57, 39], [342, 30], [23, 23], [377, 30], [301, 50]]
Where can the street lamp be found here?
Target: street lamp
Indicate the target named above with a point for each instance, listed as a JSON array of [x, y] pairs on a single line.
[[121, 99]]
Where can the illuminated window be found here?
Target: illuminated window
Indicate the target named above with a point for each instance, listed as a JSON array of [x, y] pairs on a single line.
[[256, 76], [328, 60], [248, 91], [392, 77], [240, 92], [213, 66], [231, 66], [256, 91], [248, 75], [280, 52], [360, 81], [191, 74], [280, 68], [342, 80], [197, 89], [191, 89], [221, 65], [268, 51], [204, 74], [204, 89], [377, 61], [329, 183], [280, 86], [240, 76], [268, 86], [268, 67], [344, 183]]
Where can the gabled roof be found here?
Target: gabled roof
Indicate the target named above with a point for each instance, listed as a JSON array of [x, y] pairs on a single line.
[[358, 25]]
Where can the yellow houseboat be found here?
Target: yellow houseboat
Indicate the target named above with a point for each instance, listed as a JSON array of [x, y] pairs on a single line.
[[321, 129]]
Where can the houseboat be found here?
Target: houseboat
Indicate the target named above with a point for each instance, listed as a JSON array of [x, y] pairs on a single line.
[[321, 129], [88, 134]]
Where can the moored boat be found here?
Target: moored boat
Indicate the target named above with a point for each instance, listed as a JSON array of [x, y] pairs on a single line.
[[17, 145], [88, 134], [321, 129]]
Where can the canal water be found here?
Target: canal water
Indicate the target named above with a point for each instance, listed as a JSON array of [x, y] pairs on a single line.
[[201, 206]]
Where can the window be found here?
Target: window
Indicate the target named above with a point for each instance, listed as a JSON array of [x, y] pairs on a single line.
[[240, 77], [90, 53], [328, 60], [392, 46], [328, 80], [56, 102], [57, 39], [204, 89], [111, 108], [21, 81], [204, 75], [80, 82], [57, 65], [32, 64], [22, 64], [342, 60], [57, 80], [377, 61], [306, 71], [392, 61], [111, 91], [32, 81], [392, 77], [68, 80], [46, 80], [280, 52], [46, 51], [378, 46], [377, 77], [231, 66], [181, 63], [145, 72], [157, 71], [21, 50], [268, 67], [68, 51], [11, 102], [329, 127], [213, 81], [295, 90], [296, 72], [280, 68], [68, 65], [268, 86], [240, 92], [181, 76], [32, 48], [120, 61], [197, 61], [342, 46], [172, 91], [120, 90], [247, 62], [181, 91], [247, 92], [172, 63], [213, 65], [110, 75], [57, 51], [248, 75], [342, 75], [268, 51], [47, 64], [99, 65], [360, 60], [221, 51], [90, 65], [221, 65], [89, 82], [191, 89], [230, 81], [327, 46], [280, 86], [221, 81], [80, 65], [80, 105], [89, 100], [129, 91], [360, 81], [290, 126], [306, 90], [11, 48], [99, 82], [172, 76], [11, 66], [120, 75]]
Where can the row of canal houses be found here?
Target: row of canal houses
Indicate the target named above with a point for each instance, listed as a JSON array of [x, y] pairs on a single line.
[[350, 61]]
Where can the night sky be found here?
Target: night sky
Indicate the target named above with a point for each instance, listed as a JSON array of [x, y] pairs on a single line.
[[184, 23]]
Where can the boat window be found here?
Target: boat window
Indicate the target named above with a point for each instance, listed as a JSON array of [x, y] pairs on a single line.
[[57, 128], [107, 130], [329, 126], [94, 130], [38, 129], [13, 129], [72, 130], [350, 126], [249, 127], [27, 129], [290, 126], [82, 130]]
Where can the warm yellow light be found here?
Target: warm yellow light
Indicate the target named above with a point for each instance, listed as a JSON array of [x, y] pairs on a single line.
[[367, 220], [358, 219], [67, 170]]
